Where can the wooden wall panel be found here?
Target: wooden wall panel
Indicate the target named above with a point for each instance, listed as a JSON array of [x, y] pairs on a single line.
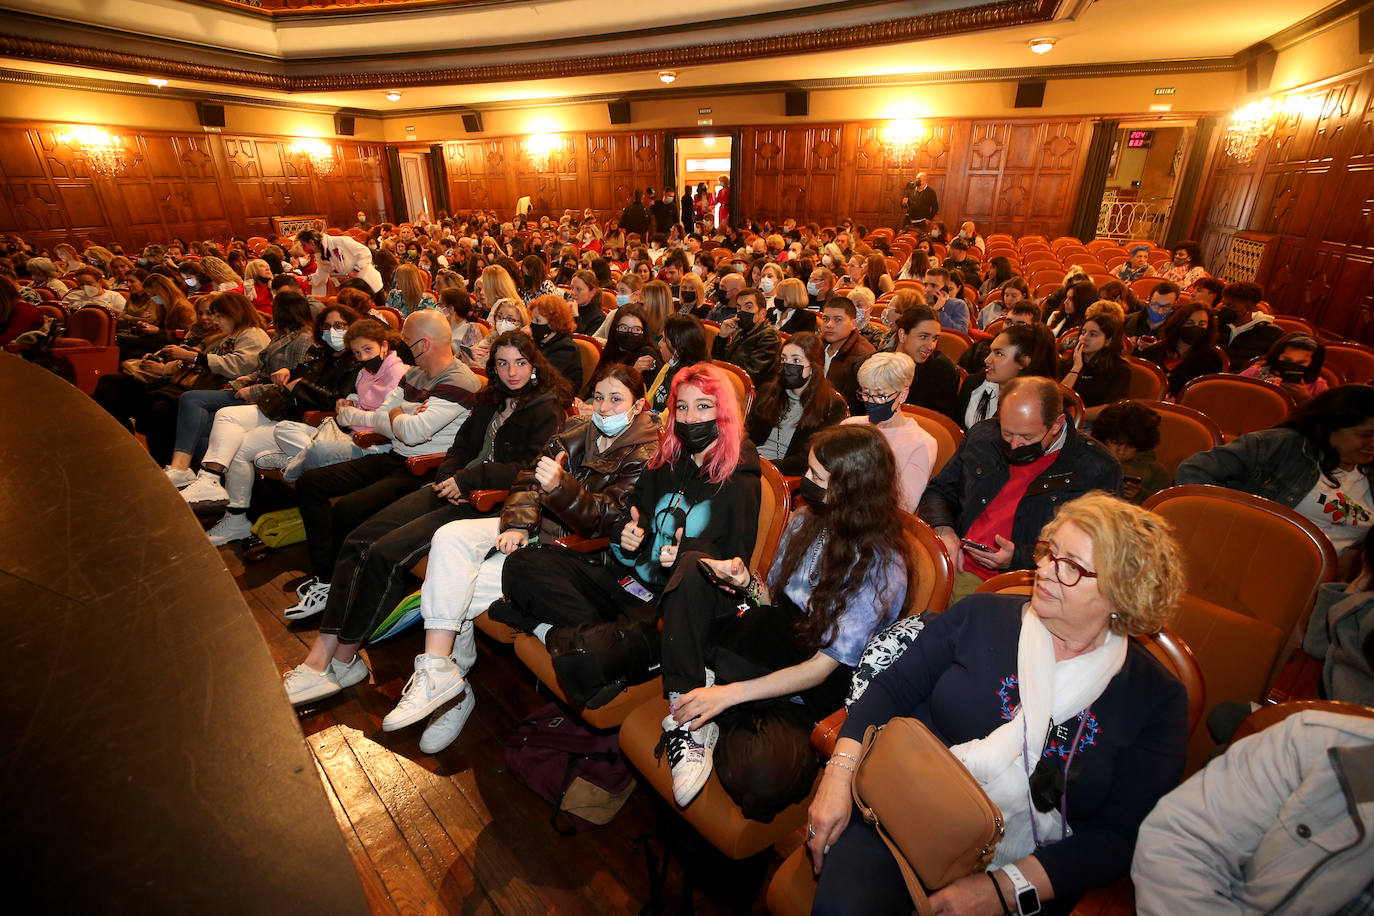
[[1311, 186], [196, 186]]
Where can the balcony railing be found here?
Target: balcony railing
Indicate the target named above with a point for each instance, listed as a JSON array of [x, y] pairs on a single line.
[[1134, 219]]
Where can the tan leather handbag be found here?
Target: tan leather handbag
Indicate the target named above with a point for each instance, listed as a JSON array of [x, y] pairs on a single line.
[[936, 820]]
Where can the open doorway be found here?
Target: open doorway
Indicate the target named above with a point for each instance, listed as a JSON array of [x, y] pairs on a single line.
[[1144, 174], [705, 159], [415, 181]]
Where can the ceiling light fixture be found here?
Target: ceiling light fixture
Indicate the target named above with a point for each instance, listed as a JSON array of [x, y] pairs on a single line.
[[156, 81], [667, 75], [1255, 123], [901, 139], [539, 149], [393, 96], [1041, 45]]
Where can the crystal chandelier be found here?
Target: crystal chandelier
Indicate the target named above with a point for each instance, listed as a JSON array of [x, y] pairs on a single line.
[[320, 154], [104, 153], [1255, 123], [539, 149], [901, 139]]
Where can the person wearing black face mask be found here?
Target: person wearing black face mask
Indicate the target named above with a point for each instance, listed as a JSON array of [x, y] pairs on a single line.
[[884, 383], [1007, 479], [799, 402], [1247, 332], [630, 343], [1186, 348], [552, 327], [747, 340]]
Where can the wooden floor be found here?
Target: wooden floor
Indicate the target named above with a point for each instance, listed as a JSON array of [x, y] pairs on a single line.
[[456, 833]]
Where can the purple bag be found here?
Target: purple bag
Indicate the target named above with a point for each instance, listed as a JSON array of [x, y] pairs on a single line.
[[578, 772]]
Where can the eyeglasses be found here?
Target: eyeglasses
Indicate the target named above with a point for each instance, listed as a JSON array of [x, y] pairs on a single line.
[[630, 329], [1066, 571], [337, 325]]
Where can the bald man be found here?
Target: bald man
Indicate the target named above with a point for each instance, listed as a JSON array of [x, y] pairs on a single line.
[[421, 416], [1007, 479]]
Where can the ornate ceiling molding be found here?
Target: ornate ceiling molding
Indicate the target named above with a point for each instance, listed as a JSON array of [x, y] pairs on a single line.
[[344, 74]]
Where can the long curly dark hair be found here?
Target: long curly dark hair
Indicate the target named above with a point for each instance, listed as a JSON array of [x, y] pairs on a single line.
[[815, 397], [863, 524], [1334, 409], [545, 377]]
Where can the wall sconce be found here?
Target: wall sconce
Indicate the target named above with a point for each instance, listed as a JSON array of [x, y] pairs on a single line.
[[320, 154], [1041, 45], [901, 138], [1255, 123], [539, 149], [104, 152]]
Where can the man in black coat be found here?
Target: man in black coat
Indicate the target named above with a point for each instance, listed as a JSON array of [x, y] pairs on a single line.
[[636, 217]]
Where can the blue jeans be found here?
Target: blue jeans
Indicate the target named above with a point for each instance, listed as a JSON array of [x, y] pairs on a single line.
[[195, 415]]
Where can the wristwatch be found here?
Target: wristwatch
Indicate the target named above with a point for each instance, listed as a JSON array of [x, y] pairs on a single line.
[[1027, 898]]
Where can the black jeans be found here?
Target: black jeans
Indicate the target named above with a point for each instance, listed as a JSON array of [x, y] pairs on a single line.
[[364, 486], [859, 875], [152, 413], [373, 567], [554, 585]]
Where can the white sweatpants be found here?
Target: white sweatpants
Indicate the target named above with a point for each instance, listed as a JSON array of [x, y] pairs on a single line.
[[461, 582], [239, 435]]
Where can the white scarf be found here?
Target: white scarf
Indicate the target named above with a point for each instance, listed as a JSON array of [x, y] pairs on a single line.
[[1050, 691]]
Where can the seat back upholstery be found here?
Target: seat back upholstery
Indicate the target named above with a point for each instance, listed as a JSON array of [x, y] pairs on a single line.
[[1354, 362], [589, 351], [1073, 405], [953, 343], [742, 383], [774, 509], [392, 316], [92, 323], [1239, 405], [946, 432], [1183, 432], [934, 579], [1147, 379]]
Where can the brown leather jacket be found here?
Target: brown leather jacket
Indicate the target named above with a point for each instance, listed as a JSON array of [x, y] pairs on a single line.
[[594, 491]]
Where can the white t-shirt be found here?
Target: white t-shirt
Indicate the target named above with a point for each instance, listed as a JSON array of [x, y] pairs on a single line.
[[1343, 512]]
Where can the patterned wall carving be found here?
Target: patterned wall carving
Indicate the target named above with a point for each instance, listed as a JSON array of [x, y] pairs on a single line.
[[1312, 187], [196, 186]]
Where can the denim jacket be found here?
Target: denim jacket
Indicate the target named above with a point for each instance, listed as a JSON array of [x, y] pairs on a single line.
[[1277, 464]]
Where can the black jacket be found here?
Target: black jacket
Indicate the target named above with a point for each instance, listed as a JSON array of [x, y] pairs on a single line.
[[626, 359], [793, 464], [844, 369], [594, 491], [977, 472], [517, 444], [936, 385], [1103, 381], [801, 320], [562, 353], [636, 218], [756, 351], [664, 214], [323, 378]]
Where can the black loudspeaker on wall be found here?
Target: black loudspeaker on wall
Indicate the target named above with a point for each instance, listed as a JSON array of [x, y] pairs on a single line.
[[472, 122], [1030, 94], [797, 104], [619, 111], [210, 114], [343, 125]]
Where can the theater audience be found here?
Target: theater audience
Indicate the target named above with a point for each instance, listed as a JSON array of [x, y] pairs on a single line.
[[840, 574], [1008, 477], [1294, 363], [884, 383], [952, 310], [935, 384], [747, 339], [16, 315], [1150, 320], [798, 402], [552, 327], [845, 349], [1187, 347], [507, 315], [1018, 350], [410, 290], [1130, 431], [683, 344], [631, 343], [580, 484], [1138, 267], [1069, 313], [1069, 724], [790, 314], [700, 493], [1317, 462], [1186, 268], [1097, 372], [586, 302], [91, 291]]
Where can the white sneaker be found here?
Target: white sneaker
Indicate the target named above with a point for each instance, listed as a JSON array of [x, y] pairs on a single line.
[[180, 477], [355, 672], [689, 757], [311, 603], [436, 681], [235, 526], [444, 726], [305, 685], [271, 461], [206, 492], [305, 586]]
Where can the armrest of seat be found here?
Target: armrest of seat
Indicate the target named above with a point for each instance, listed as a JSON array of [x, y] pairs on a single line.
[[583, 545], [316, 417], [827, 732], [369, 439], [793, 484], [486, 500], [1299, 679], [420, 464]]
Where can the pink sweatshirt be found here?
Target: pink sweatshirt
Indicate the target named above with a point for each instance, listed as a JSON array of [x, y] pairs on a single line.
[[372, 389]]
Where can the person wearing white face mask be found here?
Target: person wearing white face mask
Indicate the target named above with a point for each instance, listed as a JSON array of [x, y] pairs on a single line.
[[769, 277], [576, 486], [92, 292], [819, 287], [506, 315]]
